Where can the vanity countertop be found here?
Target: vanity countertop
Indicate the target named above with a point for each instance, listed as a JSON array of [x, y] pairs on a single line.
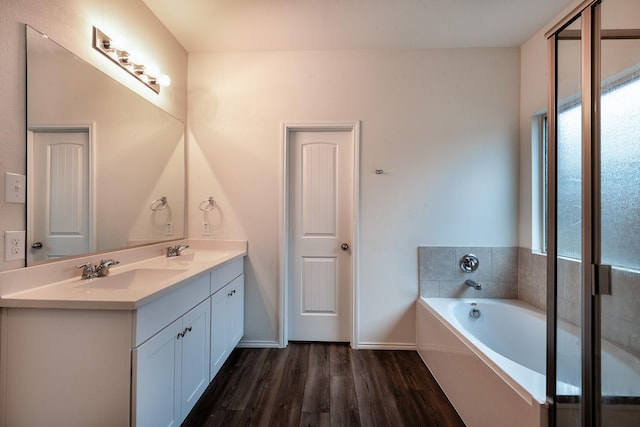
[[127, 287]]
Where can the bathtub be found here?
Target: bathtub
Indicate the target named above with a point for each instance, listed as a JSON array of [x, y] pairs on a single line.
[[492, 368]]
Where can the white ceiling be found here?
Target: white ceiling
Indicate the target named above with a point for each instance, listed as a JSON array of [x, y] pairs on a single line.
[[230, 25]]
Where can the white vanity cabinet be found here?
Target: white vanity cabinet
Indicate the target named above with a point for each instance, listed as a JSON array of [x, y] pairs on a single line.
[[227, 314], [236, 311], [172, 370], [68, 364], [172, 367], [227, 322]]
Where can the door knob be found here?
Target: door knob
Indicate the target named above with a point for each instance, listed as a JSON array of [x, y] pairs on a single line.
[[36, 245], [344, 246]]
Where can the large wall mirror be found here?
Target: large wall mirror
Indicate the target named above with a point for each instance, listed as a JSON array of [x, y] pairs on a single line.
[[105, 167]]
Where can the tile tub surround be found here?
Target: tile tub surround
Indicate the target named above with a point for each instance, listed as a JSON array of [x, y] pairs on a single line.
[[621, 317], [532, 278], [522, 274], [440, 275]]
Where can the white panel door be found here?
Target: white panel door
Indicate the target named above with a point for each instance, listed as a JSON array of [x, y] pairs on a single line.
[[321, 197], [61, 181]]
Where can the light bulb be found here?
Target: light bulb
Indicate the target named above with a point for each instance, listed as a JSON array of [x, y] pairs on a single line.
[[164, 80], [118, 43], [152, 70], [136, 57]]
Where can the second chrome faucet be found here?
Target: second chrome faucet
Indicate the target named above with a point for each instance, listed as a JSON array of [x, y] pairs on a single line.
[[176, 250]]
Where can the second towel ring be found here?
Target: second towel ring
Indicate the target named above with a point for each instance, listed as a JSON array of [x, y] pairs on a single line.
[[158, 204], [207, 205]]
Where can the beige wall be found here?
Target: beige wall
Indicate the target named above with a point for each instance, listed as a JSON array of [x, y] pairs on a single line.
[[70, 22], [443, 124]]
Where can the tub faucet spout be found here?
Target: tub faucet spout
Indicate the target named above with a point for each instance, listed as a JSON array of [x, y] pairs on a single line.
[[473, 284]]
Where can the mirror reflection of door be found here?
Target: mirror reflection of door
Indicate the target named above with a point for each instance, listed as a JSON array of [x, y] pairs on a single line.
[[60, 216]]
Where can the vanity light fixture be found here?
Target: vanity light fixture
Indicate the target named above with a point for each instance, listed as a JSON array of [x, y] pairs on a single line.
[[115, 51]]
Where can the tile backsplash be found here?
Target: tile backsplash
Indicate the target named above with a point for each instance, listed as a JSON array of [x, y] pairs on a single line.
[[440, 274]]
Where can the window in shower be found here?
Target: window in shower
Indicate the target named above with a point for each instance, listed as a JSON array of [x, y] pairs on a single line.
[[620, 130]]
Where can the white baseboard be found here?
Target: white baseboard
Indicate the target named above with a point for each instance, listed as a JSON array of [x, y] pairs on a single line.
[[361, 346], [258, 344], [386, 346]]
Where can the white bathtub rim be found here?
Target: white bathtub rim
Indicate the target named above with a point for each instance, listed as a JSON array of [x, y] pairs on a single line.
[[491, 358]]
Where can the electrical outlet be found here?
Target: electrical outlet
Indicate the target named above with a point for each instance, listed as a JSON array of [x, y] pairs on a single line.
[[206, 230], [15, 188], [168, 228], [14, 248]]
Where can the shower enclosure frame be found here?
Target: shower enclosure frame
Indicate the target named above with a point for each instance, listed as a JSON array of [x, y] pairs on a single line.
[[595, 277]]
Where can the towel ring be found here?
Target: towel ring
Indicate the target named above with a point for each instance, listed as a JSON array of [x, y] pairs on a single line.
[[158, 204], [207, 205]]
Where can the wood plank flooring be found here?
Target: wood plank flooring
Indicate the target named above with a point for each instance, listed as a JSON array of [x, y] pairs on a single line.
[[318, 384]]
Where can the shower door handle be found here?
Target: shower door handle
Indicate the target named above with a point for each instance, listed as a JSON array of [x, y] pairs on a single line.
[[601, 279]]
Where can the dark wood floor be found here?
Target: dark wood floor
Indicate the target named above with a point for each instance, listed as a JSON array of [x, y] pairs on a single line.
[[314, 384]]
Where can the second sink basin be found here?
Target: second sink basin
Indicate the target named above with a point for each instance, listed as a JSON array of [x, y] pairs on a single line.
[[189, 258], [138, 278], [200, 256]]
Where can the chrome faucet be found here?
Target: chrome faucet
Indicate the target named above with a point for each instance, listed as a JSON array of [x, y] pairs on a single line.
[[89, 271], [176, 250], [473, 284], [103, 268]]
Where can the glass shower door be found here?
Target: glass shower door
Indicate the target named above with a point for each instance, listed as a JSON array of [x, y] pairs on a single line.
[[619, 343], [569, 210], [594, 210]]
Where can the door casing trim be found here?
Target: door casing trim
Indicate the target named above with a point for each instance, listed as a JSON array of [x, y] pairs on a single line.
[[286, 129]]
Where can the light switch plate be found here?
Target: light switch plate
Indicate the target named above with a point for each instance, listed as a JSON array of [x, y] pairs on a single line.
[[15, 188], [14, 247]]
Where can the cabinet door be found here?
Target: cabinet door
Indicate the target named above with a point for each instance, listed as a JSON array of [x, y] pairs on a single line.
[[194, 369], [219, 330], [236, 311], [155, 401]]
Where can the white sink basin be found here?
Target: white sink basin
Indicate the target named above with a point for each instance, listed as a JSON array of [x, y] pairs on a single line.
[[200, 256], [188, 259], [139, 278]]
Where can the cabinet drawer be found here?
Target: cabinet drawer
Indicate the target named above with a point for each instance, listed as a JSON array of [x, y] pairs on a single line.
[[151, 318], [225, 273]]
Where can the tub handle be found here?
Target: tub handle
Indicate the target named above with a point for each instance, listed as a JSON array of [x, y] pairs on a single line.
[[469, 263]]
